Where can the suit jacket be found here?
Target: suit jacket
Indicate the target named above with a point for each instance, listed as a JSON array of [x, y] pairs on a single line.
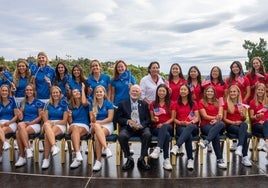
[[124, 113]]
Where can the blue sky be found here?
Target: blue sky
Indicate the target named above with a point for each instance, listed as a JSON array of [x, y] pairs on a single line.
[[189, 32]]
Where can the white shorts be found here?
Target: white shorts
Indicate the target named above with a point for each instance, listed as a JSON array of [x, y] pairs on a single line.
[[18, 101], [61, 127], [109, 127], [36, 128], [12, 126], [80, 125]]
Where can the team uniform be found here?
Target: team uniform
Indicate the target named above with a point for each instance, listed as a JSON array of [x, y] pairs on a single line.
[[175, 88], [7, 113], [241, 84], [80, 117]]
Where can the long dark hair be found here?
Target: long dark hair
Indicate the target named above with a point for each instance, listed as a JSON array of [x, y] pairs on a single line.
[[232, 75], [167, 97], [57, 76], [220, 75], [199, 79], [189, 97], [170, 76]]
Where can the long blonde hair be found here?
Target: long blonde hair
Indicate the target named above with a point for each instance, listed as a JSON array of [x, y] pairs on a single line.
[[215, 101], [51, 100], [231, 106], [264, 97], [25, 97], [9, 91], [17, 75], [95, 103]]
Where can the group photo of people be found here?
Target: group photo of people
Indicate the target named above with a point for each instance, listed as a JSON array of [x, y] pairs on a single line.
[[38, 98]]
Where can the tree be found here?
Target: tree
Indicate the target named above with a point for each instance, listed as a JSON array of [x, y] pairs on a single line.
[[256, 49]]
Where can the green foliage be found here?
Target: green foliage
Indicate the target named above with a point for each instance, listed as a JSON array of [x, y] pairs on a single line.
[[256, 49]]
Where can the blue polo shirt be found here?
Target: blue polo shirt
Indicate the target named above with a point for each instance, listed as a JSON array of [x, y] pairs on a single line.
[[74, 85], [62, 84], [7, 112], [104, 80], [42, 88], [121, 88], [81, 115], [103, 111], [31, 110], [20, 88], [56, 112]]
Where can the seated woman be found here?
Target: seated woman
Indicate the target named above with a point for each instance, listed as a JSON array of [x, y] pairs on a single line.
[[258, 113], [234, 115], [78, 118], [55, 120], [211, 125], [101, 115], [30, 117], [187, 117], [8, 117], [162, 114]]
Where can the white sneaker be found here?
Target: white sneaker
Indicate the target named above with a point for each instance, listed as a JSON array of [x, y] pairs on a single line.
[[131, 149], [180, 151], [238, 151], [246, 161], [209, 147], [79, 156], [167, 165], [265, 147], [221, 164], [16, 145], [97, 166], [203, 144], [29, 153], [6, 146], [155, 154], [45, 164], [75, 163], [190, 164], [55, 150], [21, 161], [260, 147], [108, 153], [174, 150], [1, 159], [233, 146], [41, 147]]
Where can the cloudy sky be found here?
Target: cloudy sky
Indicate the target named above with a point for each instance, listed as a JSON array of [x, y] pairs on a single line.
[[188, 32]]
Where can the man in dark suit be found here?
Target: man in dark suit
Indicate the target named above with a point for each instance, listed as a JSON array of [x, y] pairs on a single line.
[[134, 120]]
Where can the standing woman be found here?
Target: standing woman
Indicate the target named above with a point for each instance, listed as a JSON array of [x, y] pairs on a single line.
[[259, 114], [29, 116], [162, 114], [78, 119], [257, 74], [78, 79], [194, 81], [238, 78], [150, 82], [234, 115], [211, 113], [62, 78], [101, 116], [43, 77], [8, 117], [176, 80], [186, 120], [218, 83], [121, 82], [98, 78], [21, 79], [55, 120]]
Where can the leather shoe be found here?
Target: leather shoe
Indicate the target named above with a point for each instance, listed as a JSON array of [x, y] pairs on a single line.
[[142, 165], [129, 164]]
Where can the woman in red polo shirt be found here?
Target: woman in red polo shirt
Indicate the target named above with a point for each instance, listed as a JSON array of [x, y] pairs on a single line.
[[258, 113], [234, 115]]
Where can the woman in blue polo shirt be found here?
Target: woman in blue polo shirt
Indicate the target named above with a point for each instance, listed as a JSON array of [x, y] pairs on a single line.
[[77, 79], [121, 82], [78, 118], [98, 78], [42, 76], [7, 117], [29, 116], [101, 115], [55, 120], [62, 78]]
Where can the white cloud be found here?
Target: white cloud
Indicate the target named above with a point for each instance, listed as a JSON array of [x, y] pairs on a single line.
[[189, 32]]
